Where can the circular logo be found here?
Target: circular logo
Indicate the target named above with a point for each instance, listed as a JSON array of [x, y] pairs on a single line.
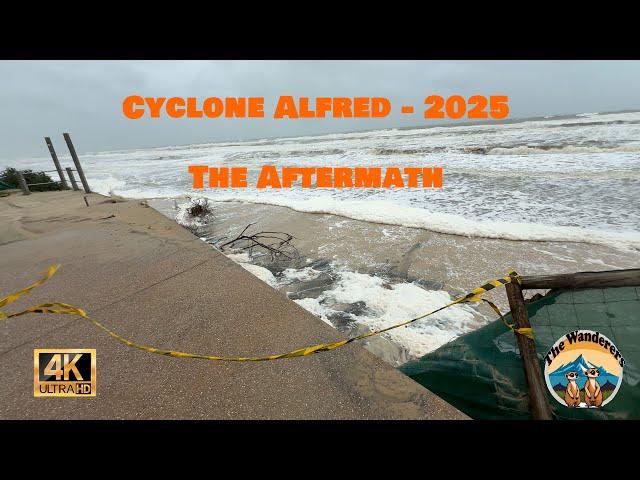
[[583, 369]]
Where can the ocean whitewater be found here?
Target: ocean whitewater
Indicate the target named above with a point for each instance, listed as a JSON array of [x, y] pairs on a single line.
[[564, 190]]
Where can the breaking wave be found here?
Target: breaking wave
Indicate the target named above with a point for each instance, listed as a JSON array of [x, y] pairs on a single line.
[[527, 150], [377, 211]]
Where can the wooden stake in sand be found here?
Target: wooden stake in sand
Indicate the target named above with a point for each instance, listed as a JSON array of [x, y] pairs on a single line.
[[23, 184], [76, 161], [72, 179], [540, 408], [56, 162]]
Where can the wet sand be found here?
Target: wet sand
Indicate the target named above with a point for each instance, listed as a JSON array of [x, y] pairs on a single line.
[[435, 261]]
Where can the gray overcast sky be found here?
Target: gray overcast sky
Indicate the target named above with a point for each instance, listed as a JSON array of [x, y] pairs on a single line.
[[46, 98]]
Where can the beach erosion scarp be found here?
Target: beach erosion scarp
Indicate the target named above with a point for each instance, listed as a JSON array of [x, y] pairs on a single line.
[[150, 280]]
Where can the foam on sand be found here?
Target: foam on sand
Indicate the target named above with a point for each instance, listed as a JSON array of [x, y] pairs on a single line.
[[388, 304], [567, 178], [262, 273], [382, 305], [385, 212]]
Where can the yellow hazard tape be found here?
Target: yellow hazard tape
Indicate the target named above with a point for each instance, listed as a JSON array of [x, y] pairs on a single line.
[[14, 296], [526, 331], [66, 309]]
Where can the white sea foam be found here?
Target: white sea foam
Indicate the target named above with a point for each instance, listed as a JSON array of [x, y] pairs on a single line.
[[242, 257], [392, 214], [527, 150], [183, 217], [108, 184], [262, 273], [387, 305], [312, 305], [303, 275], [566, 178]]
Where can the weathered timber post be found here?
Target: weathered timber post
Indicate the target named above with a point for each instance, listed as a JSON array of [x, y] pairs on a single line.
[[23, 184], [72, 179], [74, 156], [611, 278], [56, 162], [540, 409]]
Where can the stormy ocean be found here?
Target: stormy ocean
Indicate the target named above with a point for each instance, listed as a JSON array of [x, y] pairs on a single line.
[[544, 195]]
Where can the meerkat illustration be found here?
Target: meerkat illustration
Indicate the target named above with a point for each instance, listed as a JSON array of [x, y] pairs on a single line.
[[592, 392], [572, 393]]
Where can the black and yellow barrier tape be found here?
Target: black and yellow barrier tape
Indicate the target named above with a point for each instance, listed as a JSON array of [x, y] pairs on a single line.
[[66, 309], [526, 331]]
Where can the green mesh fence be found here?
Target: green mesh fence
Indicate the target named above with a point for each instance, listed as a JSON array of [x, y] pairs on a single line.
[[481, 373]]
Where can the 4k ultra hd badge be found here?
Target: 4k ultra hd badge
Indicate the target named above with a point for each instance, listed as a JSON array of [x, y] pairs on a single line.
[[64, 372], [583, 369]]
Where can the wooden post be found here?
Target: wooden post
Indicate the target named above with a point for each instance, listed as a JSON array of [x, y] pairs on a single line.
[[74, 156], [72, 179], [23, 184], [611, 278], [540, 409], [56, 162]]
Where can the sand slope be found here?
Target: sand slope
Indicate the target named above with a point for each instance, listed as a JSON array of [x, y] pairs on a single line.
[[150, 280]]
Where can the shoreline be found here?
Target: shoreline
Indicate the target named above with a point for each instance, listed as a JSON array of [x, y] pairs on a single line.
[[437, 223], [153, 282], [355, 274]]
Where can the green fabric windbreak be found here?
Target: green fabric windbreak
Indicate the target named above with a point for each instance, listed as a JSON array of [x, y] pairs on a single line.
[[481, 373]]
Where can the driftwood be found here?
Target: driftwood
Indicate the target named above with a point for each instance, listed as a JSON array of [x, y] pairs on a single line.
[[276, 244], [200, 208]]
